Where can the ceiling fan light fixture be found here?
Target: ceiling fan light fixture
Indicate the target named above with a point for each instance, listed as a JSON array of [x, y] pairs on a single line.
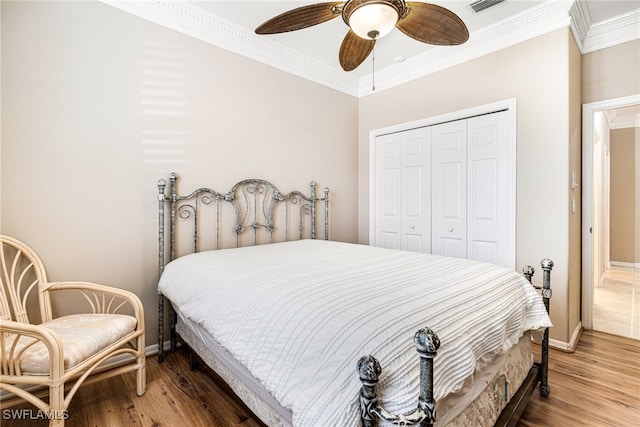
[[368, 20], [372, 20]]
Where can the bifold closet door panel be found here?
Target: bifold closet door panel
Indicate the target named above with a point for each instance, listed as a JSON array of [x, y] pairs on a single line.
[[490, 220], [403, 190], [449, 189]]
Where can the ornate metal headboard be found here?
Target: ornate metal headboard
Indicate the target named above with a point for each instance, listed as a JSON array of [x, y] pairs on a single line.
[[254, 211]]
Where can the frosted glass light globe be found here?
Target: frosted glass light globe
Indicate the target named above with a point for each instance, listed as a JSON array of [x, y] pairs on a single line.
[[373, 20]]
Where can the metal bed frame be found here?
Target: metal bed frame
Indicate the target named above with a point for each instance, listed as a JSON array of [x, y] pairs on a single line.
[[255, 204]]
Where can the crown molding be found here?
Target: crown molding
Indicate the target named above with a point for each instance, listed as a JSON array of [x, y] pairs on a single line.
[[532, 23], [617, 121], [611, 32], [580, 21], [189, 19]]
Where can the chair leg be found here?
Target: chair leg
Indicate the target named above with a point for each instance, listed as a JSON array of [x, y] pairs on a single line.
[[141, 375], [141, 378], [57, 414], [56, 422]]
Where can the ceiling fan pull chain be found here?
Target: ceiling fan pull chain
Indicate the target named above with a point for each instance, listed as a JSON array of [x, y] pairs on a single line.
[[373, 72]]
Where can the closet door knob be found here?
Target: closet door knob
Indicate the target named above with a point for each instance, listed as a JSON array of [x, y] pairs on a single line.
[[450, 229]]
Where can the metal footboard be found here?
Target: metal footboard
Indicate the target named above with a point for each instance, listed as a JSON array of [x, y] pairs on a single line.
[[427, 344]]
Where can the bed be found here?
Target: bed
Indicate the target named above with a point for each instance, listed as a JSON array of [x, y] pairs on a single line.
[[311, 332]]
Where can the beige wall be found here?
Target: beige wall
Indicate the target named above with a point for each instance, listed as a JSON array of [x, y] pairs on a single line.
[[97, 105], [611, 73], [1, 121], [622, 197], [574, 296], [537, 73]]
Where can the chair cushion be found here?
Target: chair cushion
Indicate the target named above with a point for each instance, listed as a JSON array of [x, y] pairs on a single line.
[[82, 336]]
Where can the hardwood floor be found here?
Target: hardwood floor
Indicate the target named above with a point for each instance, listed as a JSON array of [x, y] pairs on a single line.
[[598, 385]]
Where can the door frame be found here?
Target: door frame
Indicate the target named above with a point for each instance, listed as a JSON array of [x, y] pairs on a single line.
[[588, 111], [510, 105]]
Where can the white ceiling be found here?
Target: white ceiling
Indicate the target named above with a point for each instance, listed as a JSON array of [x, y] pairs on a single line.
[[312, 53]]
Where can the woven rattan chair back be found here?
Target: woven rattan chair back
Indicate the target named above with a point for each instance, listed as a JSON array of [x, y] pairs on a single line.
[[22, 280]]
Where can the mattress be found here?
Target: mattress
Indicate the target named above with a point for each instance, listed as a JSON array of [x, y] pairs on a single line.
[[478, 402], [298, 315]]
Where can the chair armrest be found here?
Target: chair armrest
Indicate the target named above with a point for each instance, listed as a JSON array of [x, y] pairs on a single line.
[[104, 299], [11, 352]]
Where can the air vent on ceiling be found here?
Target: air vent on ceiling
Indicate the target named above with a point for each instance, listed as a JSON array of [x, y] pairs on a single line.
[[480, 5]]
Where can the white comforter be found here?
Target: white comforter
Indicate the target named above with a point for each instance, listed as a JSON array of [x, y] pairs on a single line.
[[300, 314]]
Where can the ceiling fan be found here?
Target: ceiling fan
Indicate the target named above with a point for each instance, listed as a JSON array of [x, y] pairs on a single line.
[[369, 20]]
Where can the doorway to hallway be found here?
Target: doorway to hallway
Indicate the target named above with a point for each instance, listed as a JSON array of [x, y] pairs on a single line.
[[610, 281]]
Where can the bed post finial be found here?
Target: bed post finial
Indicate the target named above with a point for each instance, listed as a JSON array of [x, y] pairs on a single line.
[[528, 272], [427, 343], [369, 370]]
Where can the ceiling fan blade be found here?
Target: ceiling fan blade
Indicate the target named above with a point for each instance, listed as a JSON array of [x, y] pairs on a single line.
[[354, 50], [301, 17], [433, 24]]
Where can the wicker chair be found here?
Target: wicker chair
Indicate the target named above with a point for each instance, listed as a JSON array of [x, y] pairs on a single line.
[[55, 357]]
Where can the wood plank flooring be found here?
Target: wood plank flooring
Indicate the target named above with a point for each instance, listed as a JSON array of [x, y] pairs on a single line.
[[598, 385]]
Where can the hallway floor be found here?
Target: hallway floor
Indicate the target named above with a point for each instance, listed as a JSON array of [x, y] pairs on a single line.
[[616, 304]]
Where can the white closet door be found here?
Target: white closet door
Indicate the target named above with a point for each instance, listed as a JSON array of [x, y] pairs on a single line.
[[491, 190], [449, 189], [402, 191]]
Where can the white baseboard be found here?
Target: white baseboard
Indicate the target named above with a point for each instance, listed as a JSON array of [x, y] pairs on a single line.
[[152, 350], [627, 266], [573, 342]]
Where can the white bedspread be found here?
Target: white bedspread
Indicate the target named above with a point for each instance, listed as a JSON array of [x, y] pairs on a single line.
[[300, 314]]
